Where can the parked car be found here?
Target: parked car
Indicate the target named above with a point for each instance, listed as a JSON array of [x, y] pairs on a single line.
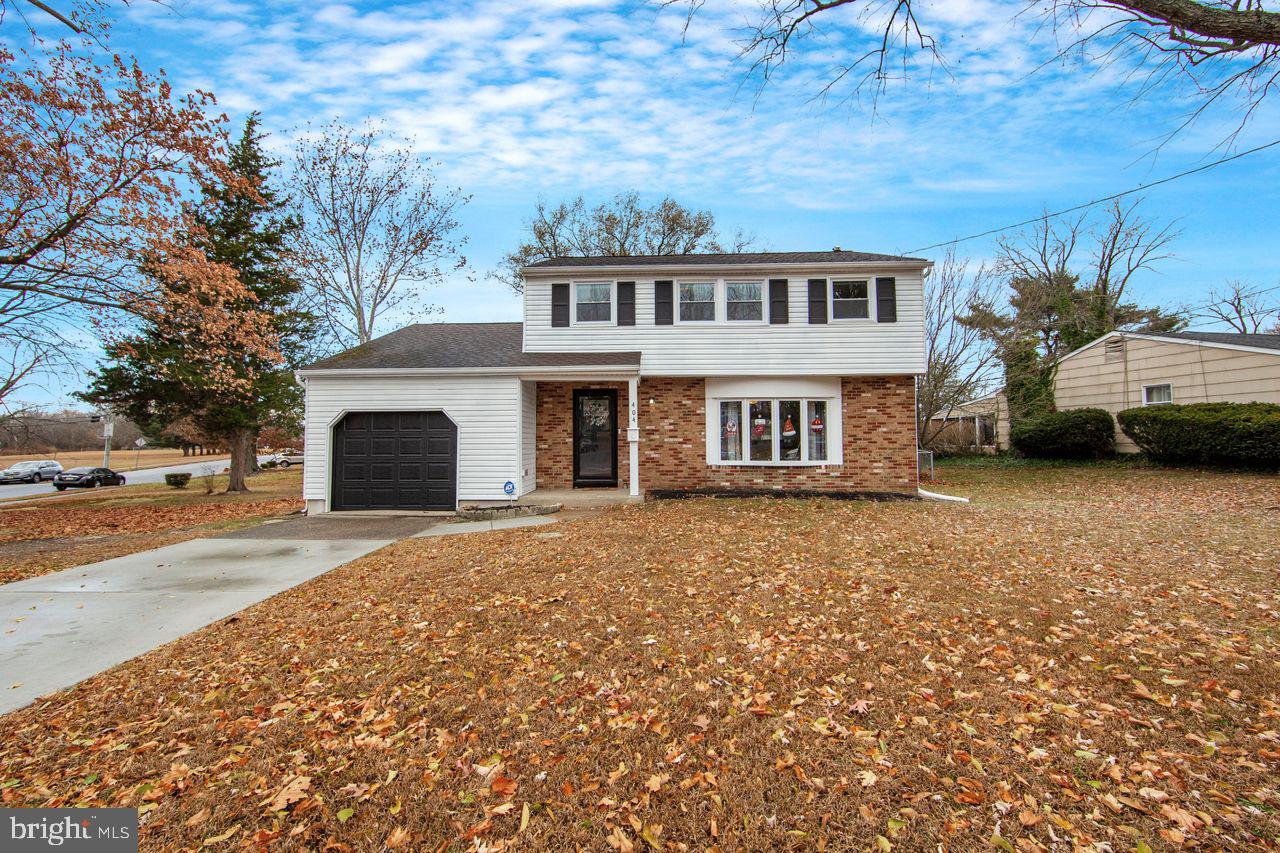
[[36, 471], [285, 458], [87, 478]]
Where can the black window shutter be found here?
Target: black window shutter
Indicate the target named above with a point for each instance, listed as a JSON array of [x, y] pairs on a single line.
[[559, 305], [887, 300], [662, 302], [777, 300], [626, 303], [817, 300]]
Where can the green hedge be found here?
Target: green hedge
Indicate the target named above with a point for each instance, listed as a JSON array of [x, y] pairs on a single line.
[[1243, 435], [177, 481], [1071, 434]]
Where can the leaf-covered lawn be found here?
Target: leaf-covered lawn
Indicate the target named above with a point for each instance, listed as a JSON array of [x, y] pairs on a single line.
[[1079, 657], [46, 535]]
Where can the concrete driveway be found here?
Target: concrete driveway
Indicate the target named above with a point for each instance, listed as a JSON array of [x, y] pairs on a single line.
[[61, 628]]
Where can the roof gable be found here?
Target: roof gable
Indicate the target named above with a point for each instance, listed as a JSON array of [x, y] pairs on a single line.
[[1268, 344]]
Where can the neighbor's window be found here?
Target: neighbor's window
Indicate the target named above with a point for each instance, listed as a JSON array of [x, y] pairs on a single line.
[[1154, 395], [774, 431], [849, 300], [594, 301], [744, 300], [697, 301]]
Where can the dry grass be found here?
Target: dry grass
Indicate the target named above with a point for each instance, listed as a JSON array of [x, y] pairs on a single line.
[[1079, 658], [48, 535], [121, 460]]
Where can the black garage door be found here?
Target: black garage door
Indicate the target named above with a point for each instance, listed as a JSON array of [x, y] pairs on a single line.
[[395, 460]]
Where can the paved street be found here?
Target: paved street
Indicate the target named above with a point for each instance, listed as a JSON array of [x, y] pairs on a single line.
[[146, 475]]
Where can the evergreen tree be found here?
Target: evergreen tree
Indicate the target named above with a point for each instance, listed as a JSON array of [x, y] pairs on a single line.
[[159, 377]]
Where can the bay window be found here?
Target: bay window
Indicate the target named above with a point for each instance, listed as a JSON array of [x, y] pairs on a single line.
[[744, 300], [697, 301], [593, 301], [774, 431]]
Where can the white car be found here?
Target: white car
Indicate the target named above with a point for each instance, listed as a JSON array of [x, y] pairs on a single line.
[[36, 471], [285, 458]]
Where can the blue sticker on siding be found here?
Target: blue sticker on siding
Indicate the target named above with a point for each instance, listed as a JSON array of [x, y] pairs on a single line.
[[509, 487]]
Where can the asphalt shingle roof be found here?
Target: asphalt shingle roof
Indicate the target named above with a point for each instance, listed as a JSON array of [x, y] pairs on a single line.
[[831, 257], [461, 345], [1237, 338]]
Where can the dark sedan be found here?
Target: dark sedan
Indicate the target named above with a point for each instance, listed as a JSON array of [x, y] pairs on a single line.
[[87, 478]]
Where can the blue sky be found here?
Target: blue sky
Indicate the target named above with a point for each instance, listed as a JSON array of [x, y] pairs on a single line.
[[552, 98]]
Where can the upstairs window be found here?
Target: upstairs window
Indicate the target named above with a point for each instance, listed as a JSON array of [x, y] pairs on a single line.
[[697, 302], [744, 300], [849, 300], [593, 301], [1155, 395]]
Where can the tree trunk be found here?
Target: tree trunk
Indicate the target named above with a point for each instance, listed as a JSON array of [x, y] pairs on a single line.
[[243, 443]]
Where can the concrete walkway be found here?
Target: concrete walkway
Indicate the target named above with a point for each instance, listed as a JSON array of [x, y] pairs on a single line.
[[61, 628]]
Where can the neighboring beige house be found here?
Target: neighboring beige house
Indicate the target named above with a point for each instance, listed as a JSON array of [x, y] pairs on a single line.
[[1122, 370]]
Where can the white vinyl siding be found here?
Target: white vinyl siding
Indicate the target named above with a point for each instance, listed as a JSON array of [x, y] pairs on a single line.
[[723, 348], [486, 409], [528, 436]]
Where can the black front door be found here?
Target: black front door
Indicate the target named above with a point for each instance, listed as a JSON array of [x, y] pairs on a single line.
[[595, 438]]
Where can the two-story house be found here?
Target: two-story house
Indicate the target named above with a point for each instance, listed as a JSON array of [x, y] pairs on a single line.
[[780, 370]]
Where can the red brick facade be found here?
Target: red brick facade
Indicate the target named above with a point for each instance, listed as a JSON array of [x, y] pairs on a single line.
[[878, 426]]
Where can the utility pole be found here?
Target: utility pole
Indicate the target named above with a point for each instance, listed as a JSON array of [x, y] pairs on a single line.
[[108, 430]]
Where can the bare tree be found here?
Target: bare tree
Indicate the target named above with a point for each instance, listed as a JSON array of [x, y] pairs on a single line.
[[620, 227], [1062, 302], [1220, 46], [377, 227], [1243, 307], [961, 363]]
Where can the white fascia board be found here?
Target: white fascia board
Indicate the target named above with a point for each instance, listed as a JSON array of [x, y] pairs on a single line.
[[614, 271], [573, 370]]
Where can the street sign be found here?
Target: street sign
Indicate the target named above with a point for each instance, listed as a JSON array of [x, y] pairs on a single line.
[[140, 442], [108, 429]]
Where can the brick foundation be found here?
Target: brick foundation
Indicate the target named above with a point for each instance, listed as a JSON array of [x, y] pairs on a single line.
[[878, 427]]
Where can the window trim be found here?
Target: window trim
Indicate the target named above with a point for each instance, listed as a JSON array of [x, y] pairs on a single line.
[[573, 303], [1147, 402], [834, 439], [872, 307], [716, 297], [723, 296]]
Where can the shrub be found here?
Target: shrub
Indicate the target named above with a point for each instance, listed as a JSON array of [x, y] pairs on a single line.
[[1071, 434], [177, 481], [268, 465], [1245, 435]]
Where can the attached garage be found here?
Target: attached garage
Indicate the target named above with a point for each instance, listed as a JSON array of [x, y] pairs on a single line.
[[432, 416], [395, 460]]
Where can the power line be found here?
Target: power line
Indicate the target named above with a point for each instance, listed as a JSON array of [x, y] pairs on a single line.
[[1139, 188]]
